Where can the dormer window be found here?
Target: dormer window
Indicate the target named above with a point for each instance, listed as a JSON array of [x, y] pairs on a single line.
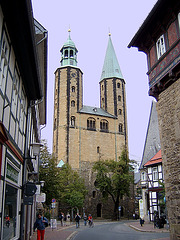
[[160, 46]]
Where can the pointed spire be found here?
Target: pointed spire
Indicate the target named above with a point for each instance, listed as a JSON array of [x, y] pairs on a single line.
[[111, 66]]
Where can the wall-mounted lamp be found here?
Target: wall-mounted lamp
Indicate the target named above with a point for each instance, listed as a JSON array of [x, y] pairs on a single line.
[[36, 148]]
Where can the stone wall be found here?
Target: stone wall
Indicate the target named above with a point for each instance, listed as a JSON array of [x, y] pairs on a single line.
[[168, 108]]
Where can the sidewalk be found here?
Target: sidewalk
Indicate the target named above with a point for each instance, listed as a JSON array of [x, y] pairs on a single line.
[[58, 233], [147, 227]]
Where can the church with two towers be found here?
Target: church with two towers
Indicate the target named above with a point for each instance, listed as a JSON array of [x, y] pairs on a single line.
[[83, 134]]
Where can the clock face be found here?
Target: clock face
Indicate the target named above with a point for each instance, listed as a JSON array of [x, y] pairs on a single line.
[[73, 74]]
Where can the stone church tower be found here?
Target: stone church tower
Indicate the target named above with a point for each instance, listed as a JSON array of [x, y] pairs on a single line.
[[84, 134]]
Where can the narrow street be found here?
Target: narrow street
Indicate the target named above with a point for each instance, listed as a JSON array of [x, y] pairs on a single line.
[[124, 230]]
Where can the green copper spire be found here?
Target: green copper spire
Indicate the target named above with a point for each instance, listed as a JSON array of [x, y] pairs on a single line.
[[111, 66], [69, 53]]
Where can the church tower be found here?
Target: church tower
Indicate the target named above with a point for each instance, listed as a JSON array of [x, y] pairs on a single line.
[[112, 89], [68, 96]]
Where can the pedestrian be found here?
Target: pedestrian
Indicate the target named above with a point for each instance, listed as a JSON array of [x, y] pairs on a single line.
[[77, 218], [85, 220], [68, 219], [40, 223], [141, 221], [61, 216], [90, 220]]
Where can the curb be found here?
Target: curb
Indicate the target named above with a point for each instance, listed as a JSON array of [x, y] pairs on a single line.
[[143, 230]]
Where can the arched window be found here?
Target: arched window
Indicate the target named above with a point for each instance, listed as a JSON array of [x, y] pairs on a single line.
[[118, 85], [73, 121], [120, 128], [119, 98], [120, 112], [71, 53], [102, 87], [104, 125], [91, 123], [73, 89], [72, 103], [98, 149], [66, 53]]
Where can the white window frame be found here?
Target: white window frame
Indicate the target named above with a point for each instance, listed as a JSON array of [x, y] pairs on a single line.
[[160, 46], [155, 173]]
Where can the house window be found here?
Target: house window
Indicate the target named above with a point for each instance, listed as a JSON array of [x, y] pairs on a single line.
[[155, 174], [73, 89], [160, 46], [120, 128], [102, 87], [91, 123], [73, 103], [15, 93], [143, 176], [104, 125], [119, 98], [73, 121], [118, 85], [4, 62]]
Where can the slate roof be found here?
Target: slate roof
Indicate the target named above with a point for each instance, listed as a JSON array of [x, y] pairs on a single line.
[[152, 143], [95, 111]]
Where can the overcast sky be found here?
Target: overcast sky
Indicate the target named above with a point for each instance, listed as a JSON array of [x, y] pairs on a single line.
[[90, 23]]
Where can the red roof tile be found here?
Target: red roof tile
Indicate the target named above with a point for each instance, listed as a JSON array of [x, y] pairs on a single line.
[[156, 159]]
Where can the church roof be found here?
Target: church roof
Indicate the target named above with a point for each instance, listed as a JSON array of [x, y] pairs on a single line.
[[111, 66], [69, 42], [95, 111]]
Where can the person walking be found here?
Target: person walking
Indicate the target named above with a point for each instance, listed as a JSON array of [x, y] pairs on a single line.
[[77, 218], [40, 223], [85, 220]]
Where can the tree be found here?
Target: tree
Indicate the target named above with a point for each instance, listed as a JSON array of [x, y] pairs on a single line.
[[63, 184], [49, 173], [72, 188], [113, 178]]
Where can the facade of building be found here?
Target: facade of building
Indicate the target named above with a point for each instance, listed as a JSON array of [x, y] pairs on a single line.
[[83, 134], [159, 38], [151, 147], [155, 179], [23, 80]]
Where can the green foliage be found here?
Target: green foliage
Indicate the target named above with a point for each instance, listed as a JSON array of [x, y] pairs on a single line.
[[63, 184], [114, 178]]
